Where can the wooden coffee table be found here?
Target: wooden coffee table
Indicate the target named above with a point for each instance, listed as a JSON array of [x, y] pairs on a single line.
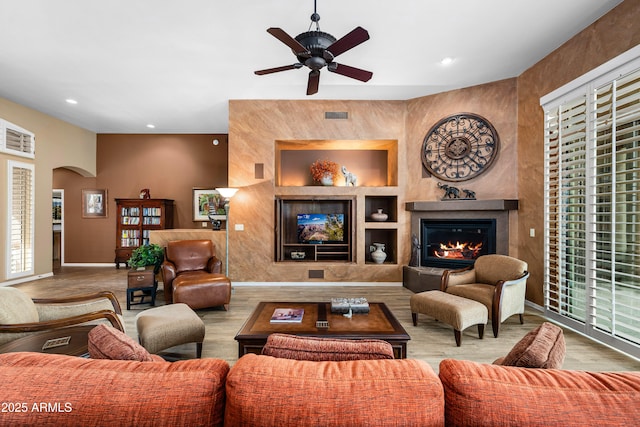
[[379, 323], [72, 341]]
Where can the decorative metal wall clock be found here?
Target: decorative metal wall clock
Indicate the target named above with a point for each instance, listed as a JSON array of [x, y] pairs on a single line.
[[460, 147]]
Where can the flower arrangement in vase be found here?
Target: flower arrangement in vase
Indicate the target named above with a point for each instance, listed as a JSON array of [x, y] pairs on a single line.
[[324, 171]]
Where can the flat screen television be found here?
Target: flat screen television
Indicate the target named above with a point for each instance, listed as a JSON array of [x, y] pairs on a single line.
[[320, 228]]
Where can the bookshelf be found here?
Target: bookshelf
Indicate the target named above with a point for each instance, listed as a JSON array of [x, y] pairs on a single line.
[[135, 220]]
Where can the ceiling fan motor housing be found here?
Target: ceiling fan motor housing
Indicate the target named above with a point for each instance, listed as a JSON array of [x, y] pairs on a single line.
[[316, 42]]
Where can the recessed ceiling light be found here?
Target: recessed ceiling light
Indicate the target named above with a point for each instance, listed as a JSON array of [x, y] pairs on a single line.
[[71, 101], [150, 126], [446, 61]]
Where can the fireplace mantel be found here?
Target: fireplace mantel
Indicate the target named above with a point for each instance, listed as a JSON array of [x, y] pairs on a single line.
[[463, 205]]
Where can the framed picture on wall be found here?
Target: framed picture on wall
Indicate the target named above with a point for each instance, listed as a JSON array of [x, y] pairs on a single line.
[[205, 199], [94, 203]]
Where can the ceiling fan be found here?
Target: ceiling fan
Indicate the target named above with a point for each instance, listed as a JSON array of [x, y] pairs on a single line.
[[317, 49]]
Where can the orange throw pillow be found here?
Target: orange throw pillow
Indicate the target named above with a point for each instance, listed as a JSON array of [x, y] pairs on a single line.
[[287, 346], [543, 347], [106, 342]]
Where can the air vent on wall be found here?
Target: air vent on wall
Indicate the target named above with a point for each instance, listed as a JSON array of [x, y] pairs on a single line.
[[336, 115], [316, 274], [16, 140]]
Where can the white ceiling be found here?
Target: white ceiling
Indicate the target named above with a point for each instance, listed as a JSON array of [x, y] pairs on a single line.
[[176, 64]]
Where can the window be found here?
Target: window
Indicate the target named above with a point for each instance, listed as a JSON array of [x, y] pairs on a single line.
[[15, 140], [592, 204], [20, 241]]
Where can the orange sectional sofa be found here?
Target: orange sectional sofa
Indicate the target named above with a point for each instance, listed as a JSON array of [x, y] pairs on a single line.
[[40, 389]]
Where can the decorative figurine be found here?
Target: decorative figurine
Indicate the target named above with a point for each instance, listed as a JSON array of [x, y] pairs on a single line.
[[449, 191], [415, 249], [145, 193], [468, 194], [349, 178]]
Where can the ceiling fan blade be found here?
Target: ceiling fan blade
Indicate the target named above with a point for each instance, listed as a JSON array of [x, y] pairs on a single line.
[[278, 69], [351, 40], [285, 38], [353, 72], [313, 83]]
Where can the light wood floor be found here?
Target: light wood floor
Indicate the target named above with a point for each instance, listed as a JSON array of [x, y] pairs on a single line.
[[431, 341]]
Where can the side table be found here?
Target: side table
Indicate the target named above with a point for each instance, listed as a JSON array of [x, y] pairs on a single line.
[[144, 282], [71, 340], [421, 279]]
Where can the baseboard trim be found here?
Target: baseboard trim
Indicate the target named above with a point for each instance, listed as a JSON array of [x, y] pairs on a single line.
[[26, 279], [323, 284], [88, 264], [534, 306]]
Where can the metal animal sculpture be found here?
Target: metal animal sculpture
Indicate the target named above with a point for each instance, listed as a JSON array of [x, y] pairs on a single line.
[[468, 194], [449, 191]]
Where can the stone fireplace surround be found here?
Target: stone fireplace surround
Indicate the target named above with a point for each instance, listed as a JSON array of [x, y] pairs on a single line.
[[418, 278]]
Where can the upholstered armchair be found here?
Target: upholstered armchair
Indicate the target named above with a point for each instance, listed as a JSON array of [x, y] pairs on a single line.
[[497, 281], [20, 315], [190, 259]]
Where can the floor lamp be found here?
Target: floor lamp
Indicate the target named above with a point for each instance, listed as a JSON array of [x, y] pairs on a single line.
[[227, 194]]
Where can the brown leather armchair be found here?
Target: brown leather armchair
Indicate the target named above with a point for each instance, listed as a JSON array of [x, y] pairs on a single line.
[[192, 274], [497, 281], [20, 315]]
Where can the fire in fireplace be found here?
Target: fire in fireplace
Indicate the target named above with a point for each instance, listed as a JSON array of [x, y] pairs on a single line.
[[456, 243], [464, 250]]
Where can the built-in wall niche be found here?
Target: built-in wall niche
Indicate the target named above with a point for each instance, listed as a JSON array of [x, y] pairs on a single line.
[[299, 239], [388, 237], [374, 162], [388, 204]]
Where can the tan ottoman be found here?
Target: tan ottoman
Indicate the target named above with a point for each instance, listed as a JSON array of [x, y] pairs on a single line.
[[166, 326], [451, 309], [202, 290]]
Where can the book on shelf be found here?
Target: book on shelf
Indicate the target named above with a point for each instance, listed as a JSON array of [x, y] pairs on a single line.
[[287, 315]]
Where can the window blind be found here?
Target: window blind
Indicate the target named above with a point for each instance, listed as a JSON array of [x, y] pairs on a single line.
[[616, 171], [20, 251], [592, 208], [565, 194]]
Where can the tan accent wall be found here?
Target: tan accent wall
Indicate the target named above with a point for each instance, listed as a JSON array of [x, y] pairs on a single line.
[[58, 144], [169, 165], [497, 103], [255, 126], [607, 38]]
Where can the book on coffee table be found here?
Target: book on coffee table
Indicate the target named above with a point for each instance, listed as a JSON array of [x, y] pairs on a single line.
[[287, 315]]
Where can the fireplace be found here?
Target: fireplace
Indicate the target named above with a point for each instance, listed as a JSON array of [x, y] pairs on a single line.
[[465, 218], [456, 243]]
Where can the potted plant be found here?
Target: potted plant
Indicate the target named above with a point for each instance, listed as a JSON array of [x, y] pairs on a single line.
[[324, 171], [147, 255]]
